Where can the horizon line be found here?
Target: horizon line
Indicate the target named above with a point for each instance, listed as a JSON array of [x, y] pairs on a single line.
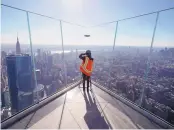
[[86, 45]]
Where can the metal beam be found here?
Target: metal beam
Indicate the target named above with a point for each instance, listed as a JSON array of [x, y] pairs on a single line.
[[133, 17], [90, 26], [149, 57], [32, 56], [41, 15], [115, 36], [63, 58]]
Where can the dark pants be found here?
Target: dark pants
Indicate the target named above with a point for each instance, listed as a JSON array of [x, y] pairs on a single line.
[[85, 78]]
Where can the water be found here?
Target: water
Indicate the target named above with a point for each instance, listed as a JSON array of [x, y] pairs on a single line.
[[66, 51]]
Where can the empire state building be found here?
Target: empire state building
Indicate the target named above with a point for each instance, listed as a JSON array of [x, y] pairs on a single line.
[[18, 49]]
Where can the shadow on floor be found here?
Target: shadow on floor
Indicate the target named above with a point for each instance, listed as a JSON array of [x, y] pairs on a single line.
[[132, 114], [93, 117]]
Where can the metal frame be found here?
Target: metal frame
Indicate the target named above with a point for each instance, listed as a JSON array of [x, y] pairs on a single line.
[[64, 67], [149, 57], [90, 26], [32, 56], [41, 15], [115, 35], [132, 17]]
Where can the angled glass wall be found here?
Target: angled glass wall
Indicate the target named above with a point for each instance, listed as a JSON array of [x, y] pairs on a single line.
[[140, 66], [73, 39], [48, 55], [159, 88], [18, 82]]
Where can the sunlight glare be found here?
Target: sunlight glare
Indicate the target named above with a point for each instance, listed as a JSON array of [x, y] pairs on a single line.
[[72, 4]]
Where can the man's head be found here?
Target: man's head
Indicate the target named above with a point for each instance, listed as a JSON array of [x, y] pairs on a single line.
[[88, 53]]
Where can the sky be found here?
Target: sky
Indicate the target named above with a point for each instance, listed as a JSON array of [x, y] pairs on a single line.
[[45, 31]]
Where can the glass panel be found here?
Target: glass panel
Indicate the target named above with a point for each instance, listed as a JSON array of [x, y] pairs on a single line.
[[134, 74], [47, 49], [17, 80], [73, 44], [123, 70], [159, 89], [102, 37], [102, 40], [131, 55]]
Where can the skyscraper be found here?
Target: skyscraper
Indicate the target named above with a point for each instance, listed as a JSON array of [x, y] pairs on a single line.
[[21, 84], [39, 54], [18, 48]]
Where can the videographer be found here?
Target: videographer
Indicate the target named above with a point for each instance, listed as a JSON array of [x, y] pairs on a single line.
[[86, 67]]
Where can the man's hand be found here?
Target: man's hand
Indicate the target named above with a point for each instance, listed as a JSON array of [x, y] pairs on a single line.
[[82, 56]]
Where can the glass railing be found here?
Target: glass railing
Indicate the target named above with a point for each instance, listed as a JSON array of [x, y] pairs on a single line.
[[159, 89], [140, 68], [129, 59], [35, 62], [17, 73], [49, 63], [72, 39]]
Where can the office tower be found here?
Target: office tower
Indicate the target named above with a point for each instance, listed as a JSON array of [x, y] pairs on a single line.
[[50, 61], [18, 48], [21, 83]]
